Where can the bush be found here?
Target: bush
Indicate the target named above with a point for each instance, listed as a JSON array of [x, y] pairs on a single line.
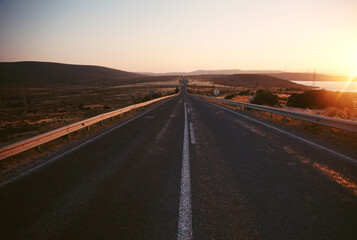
[[244, 93], [177, 90], [230, 96], [156, 95], [320, 99], [264, 97]]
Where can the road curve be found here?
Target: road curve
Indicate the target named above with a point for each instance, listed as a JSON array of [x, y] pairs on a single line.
[[187, 169]]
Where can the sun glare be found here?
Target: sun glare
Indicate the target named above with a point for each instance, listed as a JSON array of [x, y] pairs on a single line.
[[353, 76]]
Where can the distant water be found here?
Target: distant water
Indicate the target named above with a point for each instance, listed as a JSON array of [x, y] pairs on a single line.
[[330, 85]]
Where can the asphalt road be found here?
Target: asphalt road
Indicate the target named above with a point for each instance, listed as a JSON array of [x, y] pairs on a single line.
[[185, 169]]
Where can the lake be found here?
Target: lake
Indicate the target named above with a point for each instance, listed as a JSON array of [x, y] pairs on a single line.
[[330, 85]]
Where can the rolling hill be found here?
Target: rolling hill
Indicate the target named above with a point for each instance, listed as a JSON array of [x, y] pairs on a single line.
[[295, 76], [46, 73], [249, 81], [291, 76]]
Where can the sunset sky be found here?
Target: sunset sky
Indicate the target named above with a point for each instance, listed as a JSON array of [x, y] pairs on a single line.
[[183, 35]]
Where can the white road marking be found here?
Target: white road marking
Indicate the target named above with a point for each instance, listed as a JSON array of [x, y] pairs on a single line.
[[41, 165], [192, 134], [340, 155], [185, 211]]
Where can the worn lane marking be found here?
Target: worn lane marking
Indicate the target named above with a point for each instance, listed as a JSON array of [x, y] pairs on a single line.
[[185, 211], [192, 134], [340, 155], [43, 164]]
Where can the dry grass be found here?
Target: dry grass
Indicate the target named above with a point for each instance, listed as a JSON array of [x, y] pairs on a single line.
[[35, 154], [31, 111]]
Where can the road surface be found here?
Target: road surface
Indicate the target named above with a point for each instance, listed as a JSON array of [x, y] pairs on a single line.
[[186, 169]]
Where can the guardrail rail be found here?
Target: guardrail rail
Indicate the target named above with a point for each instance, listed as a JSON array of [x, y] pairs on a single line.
[[36, 141], [330, 122]]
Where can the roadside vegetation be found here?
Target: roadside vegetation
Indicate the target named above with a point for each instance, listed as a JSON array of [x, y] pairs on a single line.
[[297, 97], [320, 99], [265, 97], [29, 111]]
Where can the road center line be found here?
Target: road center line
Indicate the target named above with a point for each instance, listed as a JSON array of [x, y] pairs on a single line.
[[185, 211], [192, 134]]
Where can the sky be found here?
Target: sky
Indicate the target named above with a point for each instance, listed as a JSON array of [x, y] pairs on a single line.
[[183, 35]]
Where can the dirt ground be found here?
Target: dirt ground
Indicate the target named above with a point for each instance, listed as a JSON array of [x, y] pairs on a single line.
[[26, 112]]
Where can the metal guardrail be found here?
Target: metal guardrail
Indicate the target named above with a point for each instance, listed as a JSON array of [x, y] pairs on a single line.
[[36, 141], [313, 118]]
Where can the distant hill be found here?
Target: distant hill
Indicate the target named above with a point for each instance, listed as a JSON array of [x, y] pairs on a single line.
[[308, 76], [45, 73], [291, 76], [230, 72], [213, 72], [248, 81]]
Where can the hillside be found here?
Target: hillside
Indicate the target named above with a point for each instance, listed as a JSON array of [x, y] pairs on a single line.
[[291, 76], [213, 72], [248, 81], [45, 73], [308, 76], [229, 72]]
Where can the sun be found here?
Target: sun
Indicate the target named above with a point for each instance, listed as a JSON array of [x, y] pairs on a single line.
[[353, 76]]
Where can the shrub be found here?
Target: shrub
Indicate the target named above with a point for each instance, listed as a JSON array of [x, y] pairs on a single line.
[[320, 99], [156, 95], [177, 90], [230, 96], [244, 93], [265, 97]]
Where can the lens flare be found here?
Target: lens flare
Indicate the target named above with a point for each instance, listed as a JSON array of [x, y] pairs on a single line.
[[353, 76]]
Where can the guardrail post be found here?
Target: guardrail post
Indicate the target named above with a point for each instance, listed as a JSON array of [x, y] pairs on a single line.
[[87, 128], [271, 116], [101, 123], [303, 124], [284, 120], [328, 132]]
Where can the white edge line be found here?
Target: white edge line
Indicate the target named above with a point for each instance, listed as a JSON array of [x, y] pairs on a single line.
[[41, 165], [340, 155], [185, 211]]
